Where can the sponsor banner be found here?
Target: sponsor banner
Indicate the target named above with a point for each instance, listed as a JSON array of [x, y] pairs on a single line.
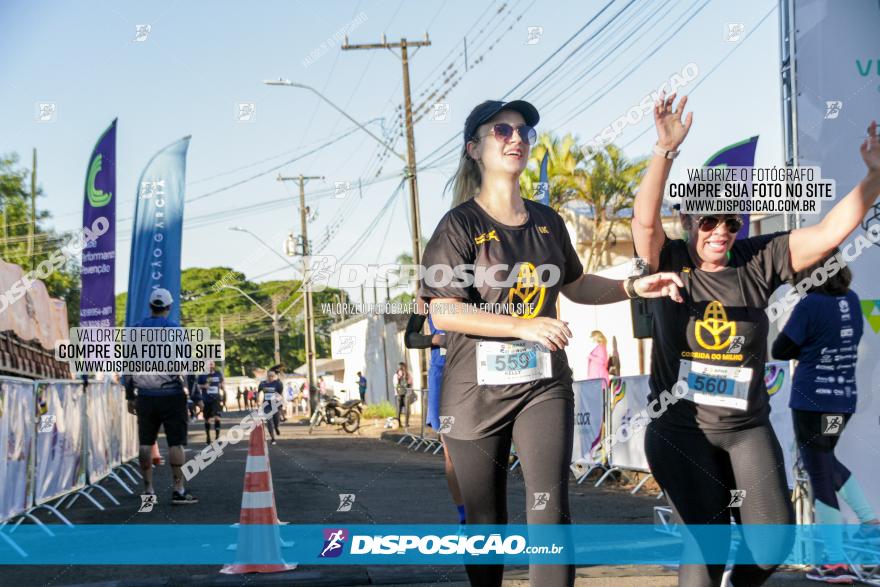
[[130, 445], [60, 412], [98, 430], [777, 377], [589, 411], [97, 305], [595, 544], [741, 154], [16, 445], [629, 401], [157, 232], [837, 95], [116, 409]]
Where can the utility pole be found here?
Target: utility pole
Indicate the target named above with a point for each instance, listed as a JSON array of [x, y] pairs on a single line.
[[274, 316], [32, 226], [222, 338], [275, 330], [404, 46], [310, 309]]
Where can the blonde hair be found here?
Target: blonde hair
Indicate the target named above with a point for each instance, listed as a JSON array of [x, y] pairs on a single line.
[[466, 181], [597, 334]]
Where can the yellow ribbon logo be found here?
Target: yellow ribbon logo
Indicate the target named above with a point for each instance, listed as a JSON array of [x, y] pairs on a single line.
[[715, 323], [527, 287]]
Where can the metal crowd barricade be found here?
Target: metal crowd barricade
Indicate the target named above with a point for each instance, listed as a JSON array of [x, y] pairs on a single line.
[[60, 449], [416, 441], [103, 437]]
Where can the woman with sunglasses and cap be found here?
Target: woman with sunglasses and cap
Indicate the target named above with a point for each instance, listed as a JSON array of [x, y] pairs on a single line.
[[718, 441], [506, 376]]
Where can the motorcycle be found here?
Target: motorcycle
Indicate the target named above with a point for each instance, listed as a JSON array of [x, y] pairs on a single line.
[[347, 414]]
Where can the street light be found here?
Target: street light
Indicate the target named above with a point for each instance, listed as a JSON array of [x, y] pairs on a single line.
[[410, 162], [274, 316], [287, 82], [265, 244]]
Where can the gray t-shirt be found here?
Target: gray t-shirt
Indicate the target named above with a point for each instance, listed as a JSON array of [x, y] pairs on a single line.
[[467, 235]]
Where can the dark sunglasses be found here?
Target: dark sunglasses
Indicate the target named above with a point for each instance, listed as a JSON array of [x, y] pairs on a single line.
[[709, 223], [504, 132]]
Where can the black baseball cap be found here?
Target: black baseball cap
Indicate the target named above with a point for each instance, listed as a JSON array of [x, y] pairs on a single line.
[[485, 111]]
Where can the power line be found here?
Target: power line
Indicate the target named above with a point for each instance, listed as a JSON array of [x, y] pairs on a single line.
[[443, 145], [642, 60], [712, 69], [633, 35]]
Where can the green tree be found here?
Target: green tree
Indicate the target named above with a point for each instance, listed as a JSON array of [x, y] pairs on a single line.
[[248, 332], [15, 221], [609, 186], [564, 168], [603, 179]]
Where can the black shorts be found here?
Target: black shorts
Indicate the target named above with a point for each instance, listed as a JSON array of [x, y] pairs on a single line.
[[212, 409], [168, 411]]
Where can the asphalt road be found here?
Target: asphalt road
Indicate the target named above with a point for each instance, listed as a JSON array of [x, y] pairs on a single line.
[[391, 484]]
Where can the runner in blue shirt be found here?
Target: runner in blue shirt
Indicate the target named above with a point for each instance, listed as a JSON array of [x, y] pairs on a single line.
[[160, 402], [362, 387], [823, 334], [211, 385], [272, 390]]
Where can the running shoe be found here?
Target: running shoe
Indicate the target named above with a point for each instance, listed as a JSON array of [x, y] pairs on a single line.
[[273, 442], [185, 498], [867, 533], [832, 574]]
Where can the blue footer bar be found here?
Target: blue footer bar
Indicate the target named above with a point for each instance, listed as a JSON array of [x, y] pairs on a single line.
[[617, 544]]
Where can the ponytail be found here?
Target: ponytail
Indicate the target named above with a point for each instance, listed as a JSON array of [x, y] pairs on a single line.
[[466, 181]]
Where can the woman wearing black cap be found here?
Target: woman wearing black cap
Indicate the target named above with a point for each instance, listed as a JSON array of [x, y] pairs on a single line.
[[507, 377]]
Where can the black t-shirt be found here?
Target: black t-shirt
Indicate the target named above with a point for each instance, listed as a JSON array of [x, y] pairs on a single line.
[[270, 387], [212, 382], [467, 235], [722, 322]]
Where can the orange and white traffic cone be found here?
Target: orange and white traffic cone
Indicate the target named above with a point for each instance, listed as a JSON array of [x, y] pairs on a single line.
[[259, 537], [157, 458]]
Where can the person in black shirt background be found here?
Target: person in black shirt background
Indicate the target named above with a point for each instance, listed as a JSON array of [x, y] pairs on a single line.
[[506, 376], [718, 439], [436, 341], [272, 389]]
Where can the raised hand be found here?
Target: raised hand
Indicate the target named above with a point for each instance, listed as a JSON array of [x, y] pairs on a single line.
[[671, 130], [871, 149]]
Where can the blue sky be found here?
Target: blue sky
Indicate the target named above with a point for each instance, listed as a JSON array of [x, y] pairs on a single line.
[[202, 58]]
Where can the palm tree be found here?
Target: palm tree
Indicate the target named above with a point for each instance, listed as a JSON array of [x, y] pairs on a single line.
[[603, 179], [564, 164], [610, 181]]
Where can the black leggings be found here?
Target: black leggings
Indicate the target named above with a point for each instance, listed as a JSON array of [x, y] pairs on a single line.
[[698, 470], [543, 434], [827, 474], [402, 409]]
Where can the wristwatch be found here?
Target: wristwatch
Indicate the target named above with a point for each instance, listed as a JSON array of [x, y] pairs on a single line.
[[658, 150], [630, 288]]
